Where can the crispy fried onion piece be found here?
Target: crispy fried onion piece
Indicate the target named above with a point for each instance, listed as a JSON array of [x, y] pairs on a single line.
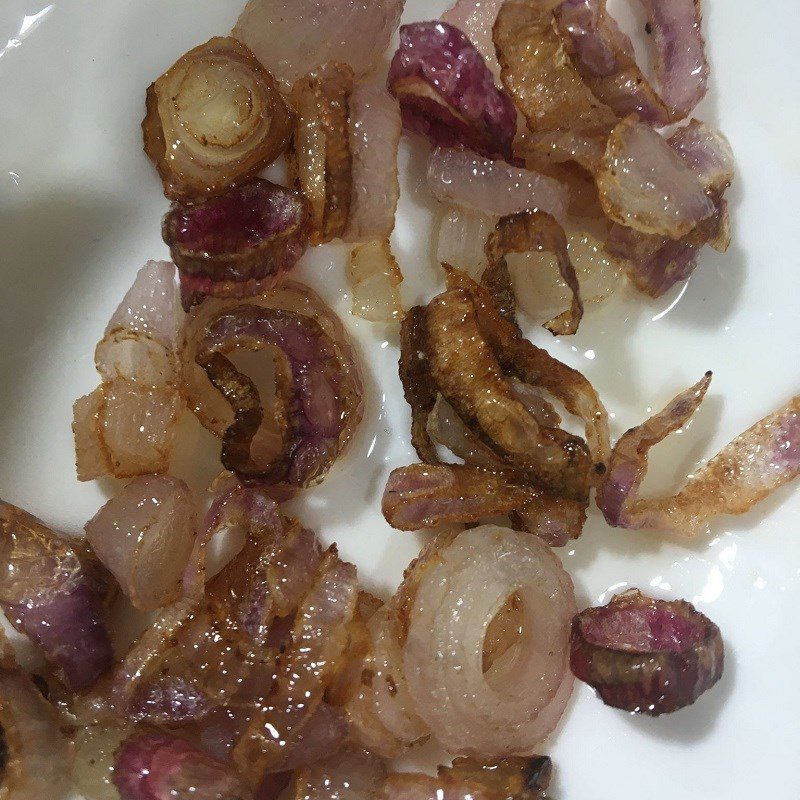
[[351, 774], [159, 766], [645, 185], [292, 37], [604, 56], [35, 757], [214, 119], [126, 427], [309, 664], [374, 126], [250, 236], [381, 712], [144, 536], [53, 592], [319, 159], [509, 779], [646, 656], [375, 279], [324, 382], [448, 94], [656, 263], [536, 367], [462, 178], [539, 75], [425, 496], [469, 374], [454, 601], [744, 472], [521, 233]]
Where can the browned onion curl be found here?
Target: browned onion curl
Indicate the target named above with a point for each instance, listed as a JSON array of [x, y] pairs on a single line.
[[646, 656], [319, 158], [509, 779], [522, 233], [214, 119]]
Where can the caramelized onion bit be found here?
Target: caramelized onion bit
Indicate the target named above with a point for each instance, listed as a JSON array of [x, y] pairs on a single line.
[[375, 279], [36, 757], [462, 178], [456, 597], [646, 656], [750, 468], [448, 94], [509, 779], [320, 401], [645, 185], [537, 231], [48, 593], [214, 119], [539, 75], [304, 670], [375, 127], [351, 774], [251, 233], [157, 766], [292, 37], [319, 159], [126, 427], [144, 536]]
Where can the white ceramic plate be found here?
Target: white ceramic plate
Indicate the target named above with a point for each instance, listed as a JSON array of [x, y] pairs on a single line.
[[80, 211]]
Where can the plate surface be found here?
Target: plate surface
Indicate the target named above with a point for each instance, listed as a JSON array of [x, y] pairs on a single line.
[[80, 211]]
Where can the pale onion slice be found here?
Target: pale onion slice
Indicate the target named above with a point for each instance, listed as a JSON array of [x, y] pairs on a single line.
[[375, 278], [36, 758], [92, 459], [644, 184], [461, 242], [214, 119], [319, 158], [144, 536], [95, 750], [350, 774], [476, 19], [292, 37], [462, 178], [747, 470], [517, 703], [374, 126]]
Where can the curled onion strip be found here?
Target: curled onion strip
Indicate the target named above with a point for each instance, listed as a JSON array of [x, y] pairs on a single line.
[[375, 279], [145, 536], [214, 119], [48, 592], [750, 468], [456, 598]]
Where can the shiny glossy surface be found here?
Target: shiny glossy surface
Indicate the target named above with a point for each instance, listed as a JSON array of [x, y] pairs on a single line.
[[80, 212]]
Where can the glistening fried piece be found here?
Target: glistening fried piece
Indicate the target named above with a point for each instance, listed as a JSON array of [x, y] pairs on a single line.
[[754, 465]]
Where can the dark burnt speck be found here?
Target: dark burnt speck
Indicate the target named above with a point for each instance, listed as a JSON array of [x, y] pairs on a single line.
[[540, 773]]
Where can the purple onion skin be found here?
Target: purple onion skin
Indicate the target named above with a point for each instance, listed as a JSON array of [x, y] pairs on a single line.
[[467, 107], [155, 766], [686, 659], [71, 632]]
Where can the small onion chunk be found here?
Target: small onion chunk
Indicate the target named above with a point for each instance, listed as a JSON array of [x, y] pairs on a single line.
[[375, 279], [35, 757], [243, 240], [448, 94], [351, 774], [319, 159], [157, 766], [457, 595], [214, 119], [144, 536], [646, 656], [476, 19], [48, 591], [126, 427], [751, 467], [292, 37]]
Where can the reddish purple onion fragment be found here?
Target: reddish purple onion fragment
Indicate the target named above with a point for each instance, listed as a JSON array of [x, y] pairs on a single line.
[[156, 766], [239, 243], [646, 656], [448, 94], [47, 593]]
